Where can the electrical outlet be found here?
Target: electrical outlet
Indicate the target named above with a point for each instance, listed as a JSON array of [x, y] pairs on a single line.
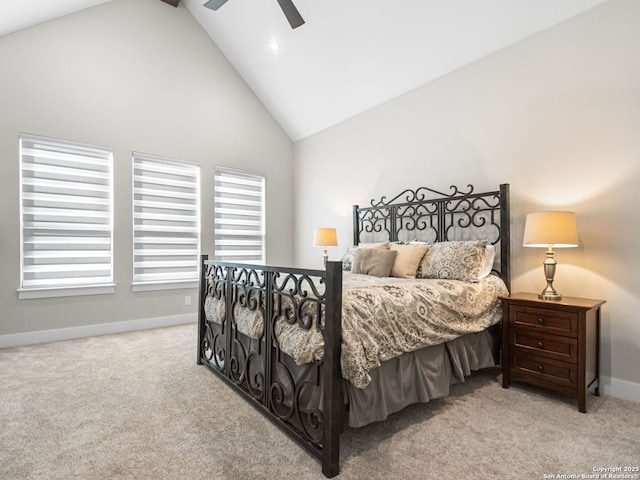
[[187, 300]]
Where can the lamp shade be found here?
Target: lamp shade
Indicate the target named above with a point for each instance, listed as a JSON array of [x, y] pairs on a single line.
[[556, 229], [325, 237]]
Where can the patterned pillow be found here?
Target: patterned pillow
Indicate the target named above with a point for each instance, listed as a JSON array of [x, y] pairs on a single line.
[[458, 260], [347, 258]]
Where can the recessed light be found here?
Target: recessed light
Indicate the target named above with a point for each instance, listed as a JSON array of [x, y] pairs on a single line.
[[274, 45]]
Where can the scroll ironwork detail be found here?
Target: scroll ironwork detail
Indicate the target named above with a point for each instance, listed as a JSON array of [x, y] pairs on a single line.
[[253, 359], [431, 215]]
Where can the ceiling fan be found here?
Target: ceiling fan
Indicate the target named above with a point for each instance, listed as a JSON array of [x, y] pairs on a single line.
[[287, 6]]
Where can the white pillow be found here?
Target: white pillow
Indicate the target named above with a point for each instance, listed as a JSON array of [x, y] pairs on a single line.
[[487, 263]]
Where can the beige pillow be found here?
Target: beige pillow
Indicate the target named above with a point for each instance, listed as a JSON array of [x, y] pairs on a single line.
[[347, 258], [372, 261], [407, 259]]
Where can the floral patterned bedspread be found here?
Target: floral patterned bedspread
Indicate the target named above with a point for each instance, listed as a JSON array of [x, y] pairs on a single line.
[[385, 317]]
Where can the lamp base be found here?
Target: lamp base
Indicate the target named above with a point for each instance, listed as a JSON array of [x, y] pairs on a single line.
[[556, 296], [549, 293]]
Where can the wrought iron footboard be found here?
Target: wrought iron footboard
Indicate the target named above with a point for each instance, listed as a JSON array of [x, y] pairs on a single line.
[[304, 401]]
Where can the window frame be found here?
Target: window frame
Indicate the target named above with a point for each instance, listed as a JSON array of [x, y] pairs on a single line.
[[252, 177], [138, 284], [64, 151]]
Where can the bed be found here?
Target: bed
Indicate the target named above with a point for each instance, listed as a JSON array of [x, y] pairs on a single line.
[[319, 350]]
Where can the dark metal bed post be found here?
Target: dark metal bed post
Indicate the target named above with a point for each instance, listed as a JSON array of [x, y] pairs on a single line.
[[505, 236], [332, 401], [201, 295], [505, 263], [356, 230]]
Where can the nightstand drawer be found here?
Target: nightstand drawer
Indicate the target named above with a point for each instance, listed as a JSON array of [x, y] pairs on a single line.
[[543, 371], [544, 320], [552, 346]]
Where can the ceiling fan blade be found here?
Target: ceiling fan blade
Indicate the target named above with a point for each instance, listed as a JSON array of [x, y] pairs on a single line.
[[215, 4], [292, 13], [173, 3]]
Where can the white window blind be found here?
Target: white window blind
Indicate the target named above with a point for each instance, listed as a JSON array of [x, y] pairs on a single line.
[[239, 216], [66, 218], [166, 222]]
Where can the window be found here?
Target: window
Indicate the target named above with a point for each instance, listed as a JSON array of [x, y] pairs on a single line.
[[166, 223], [66, 231], [239, 216]]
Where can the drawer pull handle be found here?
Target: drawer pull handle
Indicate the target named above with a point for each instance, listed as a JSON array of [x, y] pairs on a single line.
[[540, 345], [540, 368], [541, 321]]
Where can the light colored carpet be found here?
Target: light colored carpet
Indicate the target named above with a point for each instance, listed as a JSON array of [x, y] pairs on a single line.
[[136, 406]]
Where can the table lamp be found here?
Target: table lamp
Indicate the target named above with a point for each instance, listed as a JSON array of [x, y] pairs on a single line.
[[550, 229], [325, 237]]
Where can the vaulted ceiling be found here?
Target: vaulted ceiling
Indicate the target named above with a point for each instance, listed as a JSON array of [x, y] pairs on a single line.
[[350, 55], [18, 14]]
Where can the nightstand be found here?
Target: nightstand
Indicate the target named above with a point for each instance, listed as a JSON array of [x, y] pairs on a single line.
[[552, 344]]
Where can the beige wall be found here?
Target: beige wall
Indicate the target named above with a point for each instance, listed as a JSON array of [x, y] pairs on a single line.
[[558, 117], [135, 76]]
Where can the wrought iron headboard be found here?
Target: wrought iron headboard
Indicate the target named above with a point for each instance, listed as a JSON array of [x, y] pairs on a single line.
[[433, 216]]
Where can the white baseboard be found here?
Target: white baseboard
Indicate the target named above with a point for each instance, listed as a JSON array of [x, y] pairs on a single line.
[[44, 336], [620, 389]]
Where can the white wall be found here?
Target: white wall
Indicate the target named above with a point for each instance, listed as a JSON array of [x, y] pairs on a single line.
[[558, 117], [135, 76]]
